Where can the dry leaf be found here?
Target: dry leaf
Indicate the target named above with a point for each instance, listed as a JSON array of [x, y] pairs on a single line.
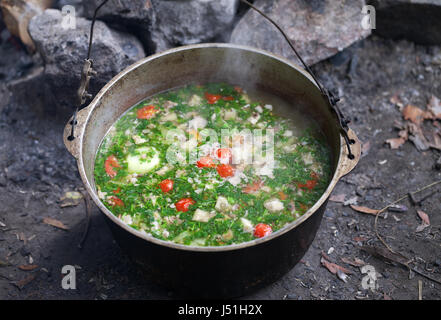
[[28, 267], [22, 283], [365, 210], [425, 221], [415, 114], [55, 223], [356, 263], [417, 137], [434, 107], [333, 268], [365, 147], [395, 143], [337, 198], [423, 216]]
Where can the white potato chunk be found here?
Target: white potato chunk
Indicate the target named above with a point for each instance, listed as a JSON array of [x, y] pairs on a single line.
[[254, 118], [197, 123], [273, 205], [230, 114], [169, 117], [201, 216], [138, 139], [228, 235], [195, 100], [307, 158], [222, 204], [247, 225]]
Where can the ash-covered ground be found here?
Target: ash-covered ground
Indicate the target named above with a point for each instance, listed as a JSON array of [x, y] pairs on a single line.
[[36, 170]]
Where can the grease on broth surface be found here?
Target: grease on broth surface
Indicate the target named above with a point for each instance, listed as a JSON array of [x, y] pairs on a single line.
[[190, 188]]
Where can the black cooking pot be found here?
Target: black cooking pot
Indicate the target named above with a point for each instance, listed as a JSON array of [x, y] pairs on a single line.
[[227, 271]]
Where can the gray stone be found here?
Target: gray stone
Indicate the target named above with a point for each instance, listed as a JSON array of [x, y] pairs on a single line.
[[64, 50], [193, 21], [135, 16], [415, 20], [319, 29], [163, 24]]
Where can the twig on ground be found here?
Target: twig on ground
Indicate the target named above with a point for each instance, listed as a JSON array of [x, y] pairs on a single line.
[[397, 258], [395, 202]]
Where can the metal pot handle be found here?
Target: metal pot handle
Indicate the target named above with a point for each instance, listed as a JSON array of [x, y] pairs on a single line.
[[347, 164], [73, 144]]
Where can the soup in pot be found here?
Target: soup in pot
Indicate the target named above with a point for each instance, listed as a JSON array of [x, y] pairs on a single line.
[[211, 165]]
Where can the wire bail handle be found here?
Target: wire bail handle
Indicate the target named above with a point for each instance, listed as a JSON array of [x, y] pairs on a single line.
[[327, 94], [332, 100], [86, 74]]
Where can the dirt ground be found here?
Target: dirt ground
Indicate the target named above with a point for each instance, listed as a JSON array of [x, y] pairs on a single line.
[[36, 169]]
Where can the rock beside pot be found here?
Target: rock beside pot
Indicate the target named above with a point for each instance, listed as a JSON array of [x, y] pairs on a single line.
[[135, 16], [64, 51], [188, 22], [318, 29], [415, 20], [163, 24]]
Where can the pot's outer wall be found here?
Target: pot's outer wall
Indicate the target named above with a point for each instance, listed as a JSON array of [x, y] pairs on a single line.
[[227, 274], [215, 272]]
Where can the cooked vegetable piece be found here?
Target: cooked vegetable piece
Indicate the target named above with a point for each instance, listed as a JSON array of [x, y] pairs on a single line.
[[144, 160], [184, 204], [110, 165], [166, 185], [262, 230], [147, 112], [225, 170]]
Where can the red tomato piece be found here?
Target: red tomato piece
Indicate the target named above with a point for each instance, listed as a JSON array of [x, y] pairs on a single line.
[[253, 187], [238, 89], [229, 98], [117, 190], [310, 184], [147, 112], [110, 164], [262, 230], [225, 170], [184, 204], [224, 154], [212, 98], [116, 202], [205, 162], [166, 185]]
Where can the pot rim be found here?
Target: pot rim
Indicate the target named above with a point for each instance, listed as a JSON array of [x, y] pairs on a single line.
[[339, 171]]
